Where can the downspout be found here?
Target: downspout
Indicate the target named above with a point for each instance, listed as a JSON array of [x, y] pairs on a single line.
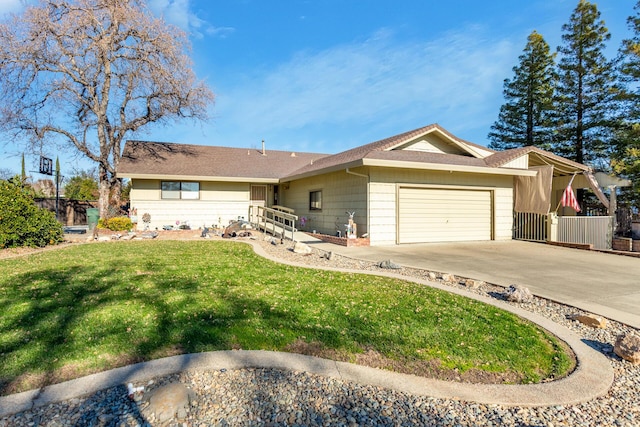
[[349, 172]]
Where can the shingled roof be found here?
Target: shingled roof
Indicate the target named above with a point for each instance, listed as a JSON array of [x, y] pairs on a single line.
[[166, 160], [141, 158], [382, 150]]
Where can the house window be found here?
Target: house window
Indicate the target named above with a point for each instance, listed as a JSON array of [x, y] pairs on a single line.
[[180, 190], [315, 200]]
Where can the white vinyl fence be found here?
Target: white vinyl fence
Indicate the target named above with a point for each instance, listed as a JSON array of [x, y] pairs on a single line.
[[595, 230]]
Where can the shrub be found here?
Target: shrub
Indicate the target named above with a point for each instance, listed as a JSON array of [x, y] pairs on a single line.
[[118, 223], [22, 223]]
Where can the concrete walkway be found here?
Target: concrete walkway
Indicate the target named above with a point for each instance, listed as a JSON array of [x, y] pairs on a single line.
[[601, 283]]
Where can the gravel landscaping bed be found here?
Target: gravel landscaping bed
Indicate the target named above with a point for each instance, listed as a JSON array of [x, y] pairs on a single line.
[[271, 397]]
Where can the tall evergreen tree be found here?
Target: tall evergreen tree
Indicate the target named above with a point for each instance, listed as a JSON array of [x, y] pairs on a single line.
[[626, 157], [587, 89], [526, 117]]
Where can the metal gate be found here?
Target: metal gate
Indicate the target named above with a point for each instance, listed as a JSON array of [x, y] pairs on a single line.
[[530, 226]]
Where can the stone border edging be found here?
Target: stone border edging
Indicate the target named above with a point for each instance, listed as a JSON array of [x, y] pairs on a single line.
[[592, 377]]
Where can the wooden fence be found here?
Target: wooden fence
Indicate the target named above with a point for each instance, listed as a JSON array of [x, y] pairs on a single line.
[[70, 212]]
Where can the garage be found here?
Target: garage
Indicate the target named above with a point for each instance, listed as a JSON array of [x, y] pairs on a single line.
[[444, 215]]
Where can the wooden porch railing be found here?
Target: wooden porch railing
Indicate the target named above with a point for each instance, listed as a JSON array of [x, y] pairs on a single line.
[[277, 220]]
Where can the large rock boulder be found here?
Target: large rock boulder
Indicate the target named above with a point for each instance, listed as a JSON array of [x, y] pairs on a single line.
[[169, 401], [473, 284], [301, 248], [517, 293], [448, 278], [236, 228], [390, 265], [628, 347], [589, 319]]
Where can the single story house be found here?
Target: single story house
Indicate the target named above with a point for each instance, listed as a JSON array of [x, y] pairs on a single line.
[[425, 185]]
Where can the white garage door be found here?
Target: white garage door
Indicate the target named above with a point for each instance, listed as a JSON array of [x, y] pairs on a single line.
[[443, 215]]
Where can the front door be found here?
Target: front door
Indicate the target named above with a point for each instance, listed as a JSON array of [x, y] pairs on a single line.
[[258, 198]]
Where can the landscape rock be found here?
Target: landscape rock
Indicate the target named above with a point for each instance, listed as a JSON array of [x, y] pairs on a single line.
[[517, 293], [169, 401], [149, 235], [628, 347], [301, 248], [104, 239], [449, 278], [473, 284], [432, 275], [589, 319], [236, 228], [390, 265], [329, 255]]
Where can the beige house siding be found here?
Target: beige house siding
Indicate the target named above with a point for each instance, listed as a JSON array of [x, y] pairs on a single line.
[[341, 192], [519, 163], [431, 143], [219, 203], [503, 213], [384, 203]]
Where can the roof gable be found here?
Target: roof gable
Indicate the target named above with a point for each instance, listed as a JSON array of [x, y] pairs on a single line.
[[435, 139], [430, 143], [534, 157], [433, 134]]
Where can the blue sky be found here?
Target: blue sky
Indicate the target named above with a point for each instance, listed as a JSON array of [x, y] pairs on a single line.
[[328, 75]]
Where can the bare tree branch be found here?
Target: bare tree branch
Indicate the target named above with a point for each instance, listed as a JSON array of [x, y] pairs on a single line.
[[91, 72]]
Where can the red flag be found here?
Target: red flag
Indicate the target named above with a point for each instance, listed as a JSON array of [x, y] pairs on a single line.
[[569, 199]]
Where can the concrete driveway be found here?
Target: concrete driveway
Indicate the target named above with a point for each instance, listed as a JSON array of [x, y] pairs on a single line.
[[600, 283]]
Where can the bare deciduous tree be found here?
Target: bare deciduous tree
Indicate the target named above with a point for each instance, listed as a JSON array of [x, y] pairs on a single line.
[[90, 72]]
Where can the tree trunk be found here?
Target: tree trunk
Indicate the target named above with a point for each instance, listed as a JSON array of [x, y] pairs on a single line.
[[103, 191]]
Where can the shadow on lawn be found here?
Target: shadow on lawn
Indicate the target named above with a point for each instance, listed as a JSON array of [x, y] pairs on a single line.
[[69, 322]]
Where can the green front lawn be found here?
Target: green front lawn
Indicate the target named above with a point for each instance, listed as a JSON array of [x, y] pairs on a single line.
[[86, 308]]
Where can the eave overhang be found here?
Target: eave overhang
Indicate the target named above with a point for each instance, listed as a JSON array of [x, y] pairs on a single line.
[[414, 165], [198, 178]]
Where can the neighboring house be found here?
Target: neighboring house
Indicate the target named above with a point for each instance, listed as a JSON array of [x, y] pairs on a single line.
[[425, 185]]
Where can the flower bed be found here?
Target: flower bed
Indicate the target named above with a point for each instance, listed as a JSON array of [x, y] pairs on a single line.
[[342, 241]]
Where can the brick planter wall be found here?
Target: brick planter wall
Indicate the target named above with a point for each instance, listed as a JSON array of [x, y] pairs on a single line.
[[623, 244], [635, 247], [342, 241]]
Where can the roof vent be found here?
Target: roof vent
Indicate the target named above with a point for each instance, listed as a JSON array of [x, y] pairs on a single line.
[[264, 153]]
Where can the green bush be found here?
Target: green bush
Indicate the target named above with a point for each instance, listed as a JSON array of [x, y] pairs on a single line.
[[118, 223], [22, 223]]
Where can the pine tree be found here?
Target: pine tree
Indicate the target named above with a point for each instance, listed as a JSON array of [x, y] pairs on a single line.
[[625, 159], [526, 117], [587, 89]]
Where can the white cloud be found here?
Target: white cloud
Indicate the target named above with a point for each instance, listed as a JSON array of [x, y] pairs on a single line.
[[179, 13], [452, 79], [220, 32], [10, 6]]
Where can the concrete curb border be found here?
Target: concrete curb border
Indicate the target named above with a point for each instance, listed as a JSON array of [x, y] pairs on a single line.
[[592, 377]]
